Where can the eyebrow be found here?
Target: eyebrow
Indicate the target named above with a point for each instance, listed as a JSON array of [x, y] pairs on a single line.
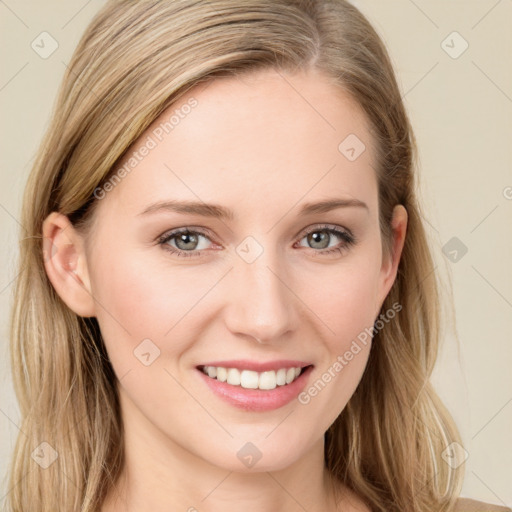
[[217, 211]]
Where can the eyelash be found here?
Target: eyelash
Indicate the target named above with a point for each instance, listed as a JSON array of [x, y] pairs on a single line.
[[347, 237]]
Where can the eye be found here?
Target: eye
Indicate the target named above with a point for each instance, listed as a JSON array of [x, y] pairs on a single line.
[[320, 237], [187, 242]]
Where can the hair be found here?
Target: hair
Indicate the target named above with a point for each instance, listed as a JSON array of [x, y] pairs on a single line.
[[135, 59]]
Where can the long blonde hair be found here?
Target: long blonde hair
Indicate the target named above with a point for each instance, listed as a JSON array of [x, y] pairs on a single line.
[[136, 59]]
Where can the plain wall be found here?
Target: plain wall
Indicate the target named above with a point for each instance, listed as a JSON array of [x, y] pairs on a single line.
[[461, 111]]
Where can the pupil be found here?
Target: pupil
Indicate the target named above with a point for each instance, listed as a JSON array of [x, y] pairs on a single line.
[[186, 238], [317, 237]]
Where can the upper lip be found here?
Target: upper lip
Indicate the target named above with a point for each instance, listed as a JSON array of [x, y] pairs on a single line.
[[258, 366]]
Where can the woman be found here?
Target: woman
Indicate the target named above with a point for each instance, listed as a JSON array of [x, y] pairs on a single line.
[[228, 298]]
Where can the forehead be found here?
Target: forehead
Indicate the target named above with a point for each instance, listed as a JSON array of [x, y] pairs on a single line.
[[264, 138]]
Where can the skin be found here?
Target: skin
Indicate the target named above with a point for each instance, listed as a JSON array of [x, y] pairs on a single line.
[[262, 145]]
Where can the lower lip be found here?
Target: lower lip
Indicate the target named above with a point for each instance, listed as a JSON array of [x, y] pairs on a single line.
[[257, 399]]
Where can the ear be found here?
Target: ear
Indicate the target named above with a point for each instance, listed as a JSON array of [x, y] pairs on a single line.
[[390, 262], [65, 264]]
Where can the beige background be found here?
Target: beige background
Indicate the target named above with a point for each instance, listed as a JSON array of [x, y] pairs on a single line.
[[461, 109]]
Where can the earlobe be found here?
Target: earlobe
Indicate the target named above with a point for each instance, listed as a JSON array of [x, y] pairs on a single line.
[[65, 264], [390, 265]]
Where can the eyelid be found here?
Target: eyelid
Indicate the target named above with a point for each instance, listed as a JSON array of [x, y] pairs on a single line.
[[321, 226], [341, 232], [209, 234], [185, 229]]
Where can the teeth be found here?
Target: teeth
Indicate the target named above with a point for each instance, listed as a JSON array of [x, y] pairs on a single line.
[[222, 374], [233, 377], [249, 379], [290, 375], [268, 380]]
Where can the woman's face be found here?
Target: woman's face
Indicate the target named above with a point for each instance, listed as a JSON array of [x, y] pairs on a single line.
[[262, 276]]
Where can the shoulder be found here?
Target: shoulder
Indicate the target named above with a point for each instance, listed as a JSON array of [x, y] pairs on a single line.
[[468, 505]]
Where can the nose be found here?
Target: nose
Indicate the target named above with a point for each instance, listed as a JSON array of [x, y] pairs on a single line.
[[261, 304]]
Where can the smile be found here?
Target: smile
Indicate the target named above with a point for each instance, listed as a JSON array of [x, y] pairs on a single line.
[[250, 379], [253, 390]]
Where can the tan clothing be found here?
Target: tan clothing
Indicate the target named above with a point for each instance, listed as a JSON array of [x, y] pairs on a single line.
[[468, 505]]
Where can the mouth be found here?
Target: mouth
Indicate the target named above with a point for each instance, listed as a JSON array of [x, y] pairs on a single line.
[[253, 390], [252, 379]]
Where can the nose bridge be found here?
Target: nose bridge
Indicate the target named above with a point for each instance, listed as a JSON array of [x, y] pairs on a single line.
[[261, 304]]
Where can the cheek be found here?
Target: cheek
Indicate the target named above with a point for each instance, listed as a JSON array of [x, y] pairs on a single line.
[[343, 296], [344, 299], [136, 302], [345, 305], [174, 305], [347, 308]]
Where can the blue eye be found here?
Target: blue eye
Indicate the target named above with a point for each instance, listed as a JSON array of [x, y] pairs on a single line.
[[186, 242]]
